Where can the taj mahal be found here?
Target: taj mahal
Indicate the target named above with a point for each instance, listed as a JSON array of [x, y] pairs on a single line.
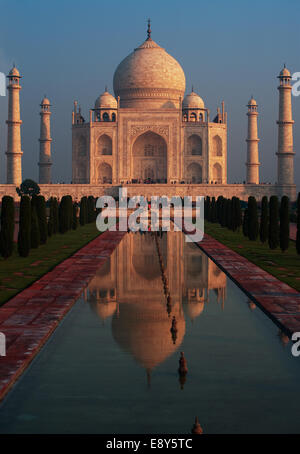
[[152, 137]]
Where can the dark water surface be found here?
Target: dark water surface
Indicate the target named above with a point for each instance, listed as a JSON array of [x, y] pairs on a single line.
[[112, 365]]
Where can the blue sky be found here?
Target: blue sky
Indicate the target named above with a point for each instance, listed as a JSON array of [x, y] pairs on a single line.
[[229, 50]]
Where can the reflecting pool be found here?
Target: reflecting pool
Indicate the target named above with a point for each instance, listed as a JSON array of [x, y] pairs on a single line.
[[112, 364]]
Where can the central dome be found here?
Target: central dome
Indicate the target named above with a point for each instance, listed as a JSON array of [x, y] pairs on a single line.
[[149, 77]]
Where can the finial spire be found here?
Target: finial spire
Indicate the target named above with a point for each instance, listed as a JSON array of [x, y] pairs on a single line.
[[149, 30], [105, 87], [192, 88]]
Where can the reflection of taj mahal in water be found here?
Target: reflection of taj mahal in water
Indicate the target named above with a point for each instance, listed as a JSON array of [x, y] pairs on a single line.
[[128, 288]]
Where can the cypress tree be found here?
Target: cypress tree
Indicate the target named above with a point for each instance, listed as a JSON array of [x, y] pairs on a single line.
[[213, 210], [284, 230], [35, 230], [69, 211], [223, 212], [7, 226], [208, 208], [228, 213], [273, 222], [83, 215], [74, 218], [239, 218], [298, 225], [55, 216], [252, 219], [63, 215], [51, 217], [91, 209], [263, 228], [40, 205], [24, 226], [246, 223], [234, 220], [219, 208]]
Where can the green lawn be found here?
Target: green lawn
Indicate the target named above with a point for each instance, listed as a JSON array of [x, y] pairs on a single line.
[[17, 273], [283, 265]]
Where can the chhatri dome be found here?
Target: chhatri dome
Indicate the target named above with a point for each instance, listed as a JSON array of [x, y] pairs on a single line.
[[149, 76], [106, 101], [193, 101]]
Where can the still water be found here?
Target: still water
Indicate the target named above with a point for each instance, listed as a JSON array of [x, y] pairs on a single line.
[[112, 364]]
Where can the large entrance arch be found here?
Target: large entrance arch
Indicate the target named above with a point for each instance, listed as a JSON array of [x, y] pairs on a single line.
[[149, 158], [194, 173]]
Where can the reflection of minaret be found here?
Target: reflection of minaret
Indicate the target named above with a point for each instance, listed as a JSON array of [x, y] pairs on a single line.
[[252, 144], [285, 152], [14, 152], [45, 143]]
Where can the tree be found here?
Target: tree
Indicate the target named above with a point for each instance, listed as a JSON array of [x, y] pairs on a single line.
[[28, 187], [34, 230], [55, 216], [223, 212], [74, 218], [252, 219], [63, 215], [207, 210], [228, 213], [7, 226], [51, 217], [246, 223], [24, 226], [91, 209], [284, 230], [273, 222], [264, 227], [239, 217], [83, 215], [40, 205], [298, 225], [213, 211]]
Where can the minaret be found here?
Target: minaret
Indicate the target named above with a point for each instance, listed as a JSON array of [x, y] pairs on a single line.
[[45, 143], [14, 152], [285, 153], [252, 140]]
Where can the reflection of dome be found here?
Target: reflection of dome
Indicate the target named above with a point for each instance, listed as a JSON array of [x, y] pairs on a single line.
[[144, 331], [193, 310], [144, 256], [193, 101], [106, 101], [149, 74], [105, 310]]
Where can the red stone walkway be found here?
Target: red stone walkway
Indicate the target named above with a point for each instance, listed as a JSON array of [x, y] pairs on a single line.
[[28, 319], [278, 300]]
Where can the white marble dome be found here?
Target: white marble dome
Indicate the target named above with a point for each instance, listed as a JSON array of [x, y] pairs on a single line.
[[149, 75], [193, 101], [106, 101]]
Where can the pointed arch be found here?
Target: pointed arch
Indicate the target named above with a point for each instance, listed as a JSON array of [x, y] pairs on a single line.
[[217, 146], [104, 173], [194, 173], [149, 157], [194, 145], [217, 173], [81, 146], [104, 145]]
